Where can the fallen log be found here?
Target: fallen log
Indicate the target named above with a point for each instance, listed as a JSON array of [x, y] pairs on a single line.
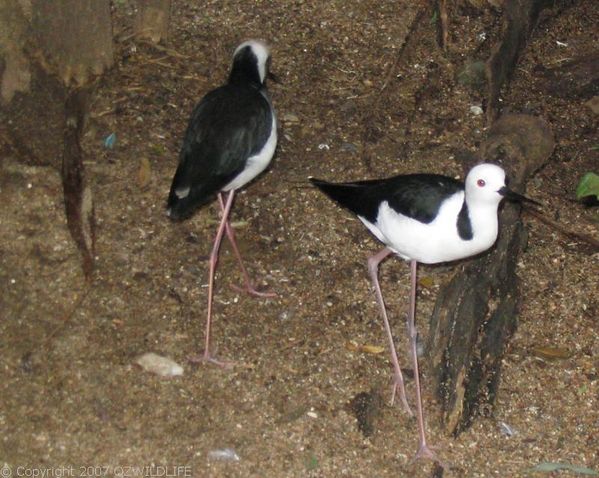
[[476, 313], [519, 18]]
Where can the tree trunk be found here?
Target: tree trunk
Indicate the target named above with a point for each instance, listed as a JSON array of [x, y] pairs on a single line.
[[75, 37], [50, 54], [14, 66], [151, 21]]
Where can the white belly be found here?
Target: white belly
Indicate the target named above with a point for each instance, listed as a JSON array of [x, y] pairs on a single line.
[[257, 163], [437, 241]]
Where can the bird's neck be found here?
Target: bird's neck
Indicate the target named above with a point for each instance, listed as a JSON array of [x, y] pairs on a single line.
[[243, 74], [483, 220]]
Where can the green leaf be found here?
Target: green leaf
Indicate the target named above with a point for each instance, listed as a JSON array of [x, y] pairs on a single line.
[[311, 462], [588, 186], [550, 466]]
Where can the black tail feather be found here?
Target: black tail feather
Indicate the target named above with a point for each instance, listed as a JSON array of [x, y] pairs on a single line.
[[352, 196], [344, 194]]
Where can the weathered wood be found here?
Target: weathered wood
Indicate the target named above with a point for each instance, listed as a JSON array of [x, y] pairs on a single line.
[[34, 122], [443, 24], [74, 38], [14, 67], [476, 313], [519, 19], [152, 19], [50, 55], [31, 101], [77, 196]]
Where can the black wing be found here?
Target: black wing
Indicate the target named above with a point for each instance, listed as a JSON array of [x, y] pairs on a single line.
[[418, 196], [229, 125]]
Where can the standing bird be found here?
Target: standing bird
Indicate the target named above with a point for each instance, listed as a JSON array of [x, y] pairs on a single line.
[[425, 218], [230, 139]]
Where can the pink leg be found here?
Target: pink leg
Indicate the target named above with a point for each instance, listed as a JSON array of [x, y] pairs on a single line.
[[424, 450], [398, 382], [249, 287], [207, 357]]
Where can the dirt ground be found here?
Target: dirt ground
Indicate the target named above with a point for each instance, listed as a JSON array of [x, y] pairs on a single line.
[[365, 92]]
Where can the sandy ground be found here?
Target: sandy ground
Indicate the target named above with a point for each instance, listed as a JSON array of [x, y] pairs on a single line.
[[71, 395]]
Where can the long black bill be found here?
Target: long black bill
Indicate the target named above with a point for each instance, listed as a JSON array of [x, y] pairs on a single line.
[[512, 196]]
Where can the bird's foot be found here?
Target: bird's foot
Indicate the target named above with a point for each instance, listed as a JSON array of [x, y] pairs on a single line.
[[251, 290], [398, 386], [426, 452], [208, 358]]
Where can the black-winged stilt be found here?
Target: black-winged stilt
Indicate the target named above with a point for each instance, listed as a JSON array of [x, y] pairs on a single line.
[[230, 139], [427, 218]]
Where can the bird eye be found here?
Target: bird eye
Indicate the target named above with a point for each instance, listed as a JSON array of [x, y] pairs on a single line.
[[481, 183]]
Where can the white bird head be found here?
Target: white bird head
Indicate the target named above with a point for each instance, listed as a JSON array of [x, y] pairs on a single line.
[[485, 184]]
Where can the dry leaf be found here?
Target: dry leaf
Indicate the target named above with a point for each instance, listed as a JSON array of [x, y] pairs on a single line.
[[427, 282], [551, 353], [144, 174], [372, 349], [352, 346], [364, 348]]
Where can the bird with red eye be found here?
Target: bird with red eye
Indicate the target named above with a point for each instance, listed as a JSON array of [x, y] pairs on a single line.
[[426, 218]]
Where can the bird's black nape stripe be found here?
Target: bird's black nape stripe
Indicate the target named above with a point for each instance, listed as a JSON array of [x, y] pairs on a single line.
[[245, 68], [464, 224]]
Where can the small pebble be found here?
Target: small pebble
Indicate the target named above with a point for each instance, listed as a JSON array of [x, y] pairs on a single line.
[[159, 365], [223, 454], [476, 110], [349, 147], [506, 429], [290, 118]]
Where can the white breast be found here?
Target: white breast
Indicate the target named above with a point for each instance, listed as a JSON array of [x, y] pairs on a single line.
[[437, 241], [257, 163]]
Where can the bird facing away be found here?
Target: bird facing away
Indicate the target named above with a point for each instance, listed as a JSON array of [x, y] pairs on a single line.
[[230, 139], [426, 218]]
